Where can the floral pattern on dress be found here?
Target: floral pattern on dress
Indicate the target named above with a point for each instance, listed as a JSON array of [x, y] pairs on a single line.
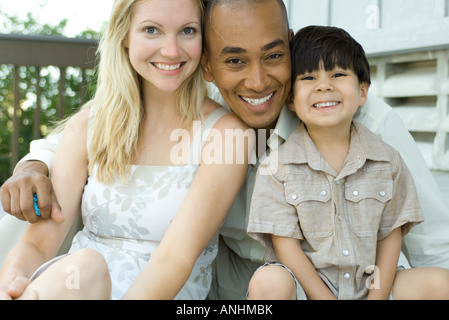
[[126, 222]]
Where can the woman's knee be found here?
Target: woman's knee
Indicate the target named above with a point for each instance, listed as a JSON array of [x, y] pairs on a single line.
[[88, 271], [272, 283], [81, 275]]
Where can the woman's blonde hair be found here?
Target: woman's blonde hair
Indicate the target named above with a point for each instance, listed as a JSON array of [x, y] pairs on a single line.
[[118, 99]]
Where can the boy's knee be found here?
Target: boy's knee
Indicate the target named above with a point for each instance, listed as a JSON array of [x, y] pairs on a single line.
[[272, 283]]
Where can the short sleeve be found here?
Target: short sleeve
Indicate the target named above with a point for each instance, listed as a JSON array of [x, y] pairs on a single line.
[[403, 210], [270, 213]]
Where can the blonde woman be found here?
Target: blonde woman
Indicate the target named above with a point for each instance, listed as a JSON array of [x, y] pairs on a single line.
[[151, 221]]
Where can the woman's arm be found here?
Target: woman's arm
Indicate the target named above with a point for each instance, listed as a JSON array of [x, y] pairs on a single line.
[[43, 239], [387, 257], [290, 253], [202, 212]]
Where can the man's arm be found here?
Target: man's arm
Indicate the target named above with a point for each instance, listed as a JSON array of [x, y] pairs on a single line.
[[31, 176], [425, 245]]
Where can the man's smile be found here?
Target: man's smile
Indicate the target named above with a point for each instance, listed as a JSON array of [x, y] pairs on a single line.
[[257, 101]]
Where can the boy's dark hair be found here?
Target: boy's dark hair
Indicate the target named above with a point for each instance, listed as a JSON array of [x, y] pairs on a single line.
[[330, 45]]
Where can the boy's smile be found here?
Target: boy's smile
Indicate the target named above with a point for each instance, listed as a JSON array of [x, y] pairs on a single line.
[[328, 98]]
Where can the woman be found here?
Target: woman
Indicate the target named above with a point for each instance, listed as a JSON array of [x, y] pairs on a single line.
[[150, 220]]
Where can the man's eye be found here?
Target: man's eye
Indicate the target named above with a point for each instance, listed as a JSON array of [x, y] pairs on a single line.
[[275, 56], [234, 61]]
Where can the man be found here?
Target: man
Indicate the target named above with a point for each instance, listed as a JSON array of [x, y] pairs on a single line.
[[247, 56]]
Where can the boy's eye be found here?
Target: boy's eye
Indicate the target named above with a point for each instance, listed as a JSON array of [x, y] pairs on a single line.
[[307, 78], [339, 74]]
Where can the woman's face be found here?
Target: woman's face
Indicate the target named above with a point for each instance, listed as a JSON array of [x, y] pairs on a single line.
[[165, 42]]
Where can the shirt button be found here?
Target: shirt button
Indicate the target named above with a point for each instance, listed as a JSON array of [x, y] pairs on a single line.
[[337, 182], [295, 196], [323, 193], [355, 193], [345, 253], [347, 276], [382, 194]]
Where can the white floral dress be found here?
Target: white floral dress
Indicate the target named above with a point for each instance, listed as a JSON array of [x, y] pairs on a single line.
[[126, 222]]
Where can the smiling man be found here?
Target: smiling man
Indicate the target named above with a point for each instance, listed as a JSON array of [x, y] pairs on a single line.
[[251, 67], [247, 57]]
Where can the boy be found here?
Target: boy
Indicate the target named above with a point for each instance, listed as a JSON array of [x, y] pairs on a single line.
[[334, 210]]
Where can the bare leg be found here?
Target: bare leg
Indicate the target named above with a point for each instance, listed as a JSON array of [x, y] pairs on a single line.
[[83, 275], [421, 284], [272, 283]]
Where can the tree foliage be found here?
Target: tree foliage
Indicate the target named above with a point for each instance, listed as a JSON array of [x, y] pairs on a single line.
[[28, 83]]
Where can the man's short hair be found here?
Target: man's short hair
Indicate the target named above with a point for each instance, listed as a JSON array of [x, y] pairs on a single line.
[[211, 4]]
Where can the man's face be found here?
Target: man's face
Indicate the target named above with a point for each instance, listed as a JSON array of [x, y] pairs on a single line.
[[248, 58]]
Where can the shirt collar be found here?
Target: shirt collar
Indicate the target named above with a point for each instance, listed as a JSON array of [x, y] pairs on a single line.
[[300, 149], [287, 122]]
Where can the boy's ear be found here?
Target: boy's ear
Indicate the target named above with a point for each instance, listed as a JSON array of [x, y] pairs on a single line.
[[364, 88], [291, 102]]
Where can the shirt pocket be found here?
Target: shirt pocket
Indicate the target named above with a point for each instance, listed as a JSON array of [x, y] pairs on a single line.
[[314, 207], [366, 202]]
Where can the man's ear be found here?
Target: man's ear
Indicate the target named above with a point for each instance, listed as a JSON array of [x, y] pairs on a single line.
[[208, 76], [291, 34]]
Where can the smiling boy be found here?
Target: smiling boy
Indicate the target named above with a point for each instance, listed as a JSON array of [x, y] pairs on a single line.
[[340, 201]]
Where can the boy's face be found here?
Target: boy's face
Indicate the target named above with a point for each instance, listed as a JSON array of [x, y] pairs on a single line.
[[327, 99]]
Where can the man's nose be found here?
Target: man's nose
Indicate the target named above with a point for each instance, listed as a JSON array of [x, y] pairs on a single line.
[[257, 78]]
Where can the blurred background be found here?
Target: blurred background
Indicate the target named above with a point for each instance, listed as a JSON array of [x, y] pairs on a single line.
[[47, 64]]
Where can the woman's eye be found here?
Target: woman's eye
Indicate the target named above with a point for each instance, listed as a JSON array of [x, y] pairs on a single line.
[[189, 31], [151, 30]]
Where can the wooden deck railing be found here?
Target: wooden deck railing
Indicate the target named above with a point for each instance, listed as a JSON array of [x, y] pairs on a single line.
[[41, 52]]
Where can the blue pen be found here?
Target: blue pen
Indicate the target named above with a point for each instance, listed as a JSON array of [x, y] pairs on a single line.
[[36, 207]]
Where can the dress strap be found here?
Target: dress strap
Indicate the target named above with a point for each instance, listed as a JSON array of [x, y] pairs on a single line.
[[200, 136]]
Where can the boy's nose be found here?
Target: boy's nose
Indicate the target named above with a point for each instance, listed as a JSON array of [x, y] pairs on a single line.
[[324, 85]]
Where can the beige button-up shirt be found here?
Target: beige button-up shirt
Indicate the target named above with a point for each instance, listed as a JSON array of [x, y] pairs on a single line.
[[338, 217]]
